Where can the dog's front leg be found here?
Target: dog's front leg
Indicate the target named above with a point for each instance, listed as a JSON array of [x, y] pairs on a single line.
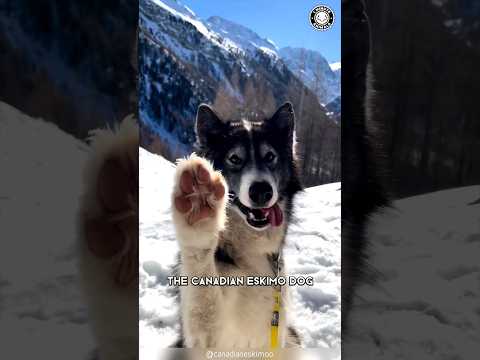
[[199, 213]]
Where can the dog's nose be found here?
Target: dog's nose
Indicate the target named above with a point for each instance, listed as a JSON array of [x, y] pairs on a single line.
[[260, 193]]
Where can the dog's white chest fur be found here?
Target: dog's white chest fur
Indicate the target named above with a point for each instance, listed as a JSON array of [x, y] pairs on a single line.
[[241, 317]]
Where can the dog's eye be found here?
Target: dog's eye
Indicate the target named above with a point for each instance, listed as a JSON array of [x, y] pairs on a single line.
[[235, 159], [269, 157]]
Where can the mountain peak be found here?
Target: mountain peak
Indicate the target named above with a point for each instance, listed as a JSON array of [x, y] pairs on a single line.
[[243, 37], [314, 70], [307, 55], [336, 66], [175, 7]]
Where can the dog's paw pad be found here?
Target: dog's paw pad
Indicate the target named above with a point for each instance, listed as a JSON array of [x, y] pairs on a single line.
[[200, 189], [113, 233]]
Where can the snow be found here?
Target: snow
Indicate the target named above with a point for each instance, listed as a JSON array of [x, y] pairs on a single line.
[[241, 36], [268, 51], [272, 43], [187, 15], [190, 11], [312, 248], [426, 304], [156, 34], [336, 65], [41, 305], [314, 71], [183, 13]]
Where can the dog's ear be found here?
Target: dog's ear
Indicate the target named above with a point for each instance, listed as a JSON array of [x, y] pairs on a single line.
[[208, 125], [283, 120]]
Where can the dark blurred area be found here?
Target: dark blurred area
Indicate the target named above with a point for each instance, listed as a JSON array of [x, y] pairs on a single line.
[[66, 67], [69, 62], [410, 252], [426, 57]]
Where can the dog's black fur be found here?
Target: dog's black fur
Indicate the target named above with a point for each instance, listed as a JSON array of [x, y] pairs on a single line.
[[215, 137], [363, 189]]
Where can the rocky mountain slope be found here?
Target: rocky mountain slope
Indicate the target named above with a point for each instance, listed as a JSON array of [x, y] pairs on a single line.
[[184, 61], [314, 70]]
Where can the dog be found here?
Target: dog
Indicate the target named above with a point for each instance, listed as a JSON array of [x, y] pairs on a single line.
[[231, 206]]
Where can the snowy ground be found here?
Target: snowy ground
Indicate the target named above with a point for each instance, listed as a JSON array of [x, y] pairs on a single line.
[[42, 314], [313, 248], [426, 305]]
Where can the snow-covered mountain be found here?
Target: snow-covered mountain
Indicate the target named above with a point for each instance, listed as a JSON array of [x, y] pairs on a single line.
[[336, 66], [241, 36], [184, 61], [334, 107], [312, 248], [314, 70]]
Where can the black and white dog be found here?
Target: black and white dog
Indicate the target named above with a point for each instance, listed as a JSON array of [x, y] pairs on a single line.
[[231, 206]]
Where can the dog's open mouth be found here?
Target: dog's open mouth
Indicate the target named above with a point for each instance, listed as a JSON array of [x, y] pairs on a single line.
[[260, 218]]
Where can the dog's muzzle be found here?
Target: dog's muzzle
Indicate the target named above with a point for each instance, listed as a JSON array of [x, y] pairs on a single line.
[[259, 218]]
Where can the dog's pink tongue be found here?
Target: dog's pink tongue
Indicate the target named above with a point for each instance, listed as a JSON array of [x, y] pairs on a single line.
[[274, 215]]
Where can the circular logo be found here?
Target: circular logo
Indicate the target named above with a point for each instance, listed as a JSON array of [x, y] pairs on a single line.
[[322, 17]]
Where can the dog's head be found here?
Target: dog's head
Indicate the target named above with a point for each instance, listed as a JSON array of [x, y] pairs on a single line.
[[257, 160]]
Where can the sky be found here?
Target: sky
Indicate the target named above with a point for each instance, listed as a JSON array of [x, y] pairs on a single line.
[[286, 22]]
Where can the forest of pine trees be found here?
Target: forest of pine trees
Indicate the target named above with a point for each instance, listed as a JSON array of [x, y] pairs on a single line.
[[427, 83]]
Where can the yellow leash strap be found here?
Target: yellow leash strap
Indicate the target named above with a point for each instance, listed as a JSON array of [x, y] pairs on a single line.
[[277, 295], [275, 320]]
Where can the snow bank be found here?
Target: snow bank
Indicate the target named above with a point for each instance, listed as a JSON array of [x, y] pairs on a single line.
[[41, 308], [426, 303]]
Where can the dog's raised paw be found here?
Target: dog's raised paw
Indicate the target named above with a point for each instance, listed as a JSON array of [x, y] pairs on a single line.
[[200, 190]]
